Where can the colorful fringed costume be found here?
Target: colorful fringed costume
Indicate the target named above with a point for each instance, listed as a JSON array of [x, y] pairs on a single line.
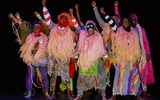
[[108, 27], [146, 68], [35, 63], [61, 48], [34, 54], [91, 50], [126, 50]]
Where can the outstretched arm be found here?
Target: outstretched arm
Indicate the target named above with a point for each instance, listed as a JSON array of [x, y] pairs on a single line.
[[97, 15], [47, 15]]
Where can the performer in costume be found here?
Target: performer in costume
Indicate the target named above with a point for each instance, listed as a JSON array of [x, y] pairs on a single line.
[[61, 47], [34, 53], [91, 50], [127, 53], [22, 32], [145, 66], [108, 27]]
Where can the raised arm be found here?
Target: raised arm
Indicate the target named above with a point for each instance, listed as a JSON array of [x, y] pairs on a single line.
[[74, 21], [97, 15], [78, 15], [116, 10], [109, 20], [47, 15]]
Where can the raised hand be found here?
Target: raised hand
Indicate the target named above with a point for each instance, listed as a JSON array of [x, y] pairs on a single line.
[[71, 11], [11, 16], [102, 11], [76, 6], [43, 3], [116, 3], [93, 4]]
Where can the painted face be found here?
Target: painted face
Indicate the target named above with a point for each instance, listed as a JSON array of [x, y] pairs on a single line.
[[37, 29], [63, 22], [90, 29]]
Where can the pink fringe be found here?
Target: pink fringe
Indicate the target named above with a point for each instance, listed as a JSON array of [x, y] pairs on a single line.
[[126, 47], [61, 43], [28, 46], [90, 49]]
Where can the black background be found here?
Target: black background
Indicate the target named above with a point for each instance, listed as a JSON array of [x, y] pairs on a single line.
[[12, 68]]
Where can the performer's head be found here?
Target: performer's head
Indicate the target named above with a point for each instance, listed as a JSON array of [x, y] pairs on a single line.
[[90, 27], [133, 20], [37, 28], [126, 24], [64, 19]]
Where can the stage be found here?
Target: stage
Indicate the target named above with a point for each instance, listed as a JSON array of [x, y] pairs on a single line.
[[64, 97]]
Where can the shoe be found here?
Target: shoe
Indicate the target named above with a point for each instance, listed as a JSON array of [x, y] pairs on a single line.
[[46, 94], [53, 96], [29, 94], [145, 93]]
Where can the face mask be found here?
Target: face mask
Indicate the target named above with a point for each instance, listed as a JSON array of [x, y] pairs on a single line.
[[63, 22], [90, 27], [37, 30]]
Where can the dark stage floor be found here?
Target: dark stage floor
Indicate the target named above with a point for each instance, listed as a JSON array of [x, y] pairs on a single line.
[[64, 97]]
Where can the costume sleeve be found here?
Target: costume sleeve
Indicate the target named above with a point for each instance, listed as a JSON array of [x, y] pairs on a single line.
[[98, 18], [116, 11], [47, 17], [146, 42], [112, 23], [75, 24]]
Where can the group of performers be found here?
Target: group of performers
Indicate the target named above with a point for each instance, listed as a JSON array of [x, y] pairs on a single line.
[[70, 45]]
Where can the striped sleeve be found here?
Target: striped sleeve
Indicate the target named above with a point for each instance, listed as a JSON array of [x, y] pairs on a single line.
[[47, 17], [75, 24], [112, 23]]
